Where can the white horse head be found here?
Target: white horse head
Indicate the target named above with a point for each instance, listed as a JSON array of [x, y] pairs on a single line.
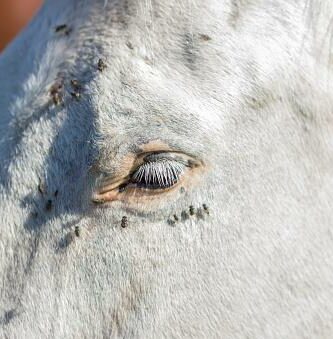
[[166, 171]]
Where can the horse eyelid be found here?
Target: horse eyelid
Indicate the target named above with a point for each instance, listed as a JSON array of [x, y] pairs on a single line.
[[161, 173]]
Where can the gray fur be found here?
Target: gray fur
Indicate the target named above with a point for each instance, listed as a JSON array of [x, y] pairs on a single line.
[[243, 87]]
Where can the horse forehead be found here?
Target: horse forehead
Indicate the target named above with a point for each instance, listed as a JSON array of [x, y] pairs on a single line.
[[143, 66], [118, 71], [174, 33]]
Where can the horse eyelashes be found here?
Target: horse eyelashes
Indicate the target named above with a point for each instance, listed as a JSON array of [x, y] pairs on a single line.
[[159, 174], [151, 174]]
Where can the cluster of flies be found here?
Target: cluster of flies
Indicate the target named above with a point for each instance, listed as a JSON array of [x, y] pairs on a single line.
[[57, 89], [57, 93], [185, 214], [191, 212]]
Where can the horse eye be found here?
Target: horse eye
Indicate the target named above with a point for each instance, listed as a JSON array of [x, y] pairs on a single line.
[[154, 172], [157, 173]]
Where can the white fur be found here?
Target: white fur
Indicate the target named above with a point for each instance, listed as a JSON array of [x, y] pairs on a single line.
[[243, 86]]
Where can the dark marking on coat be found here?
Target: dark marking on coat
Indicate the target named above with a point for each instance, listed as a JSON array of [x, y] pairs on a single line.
[[77, 231], [48, 205], [173, 220], [101, 65], [192, 210], [64, 29], [124, 222], [56, 93], [8, 316], [204, 37], [129, 45], [55, 194], [75, 95]]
